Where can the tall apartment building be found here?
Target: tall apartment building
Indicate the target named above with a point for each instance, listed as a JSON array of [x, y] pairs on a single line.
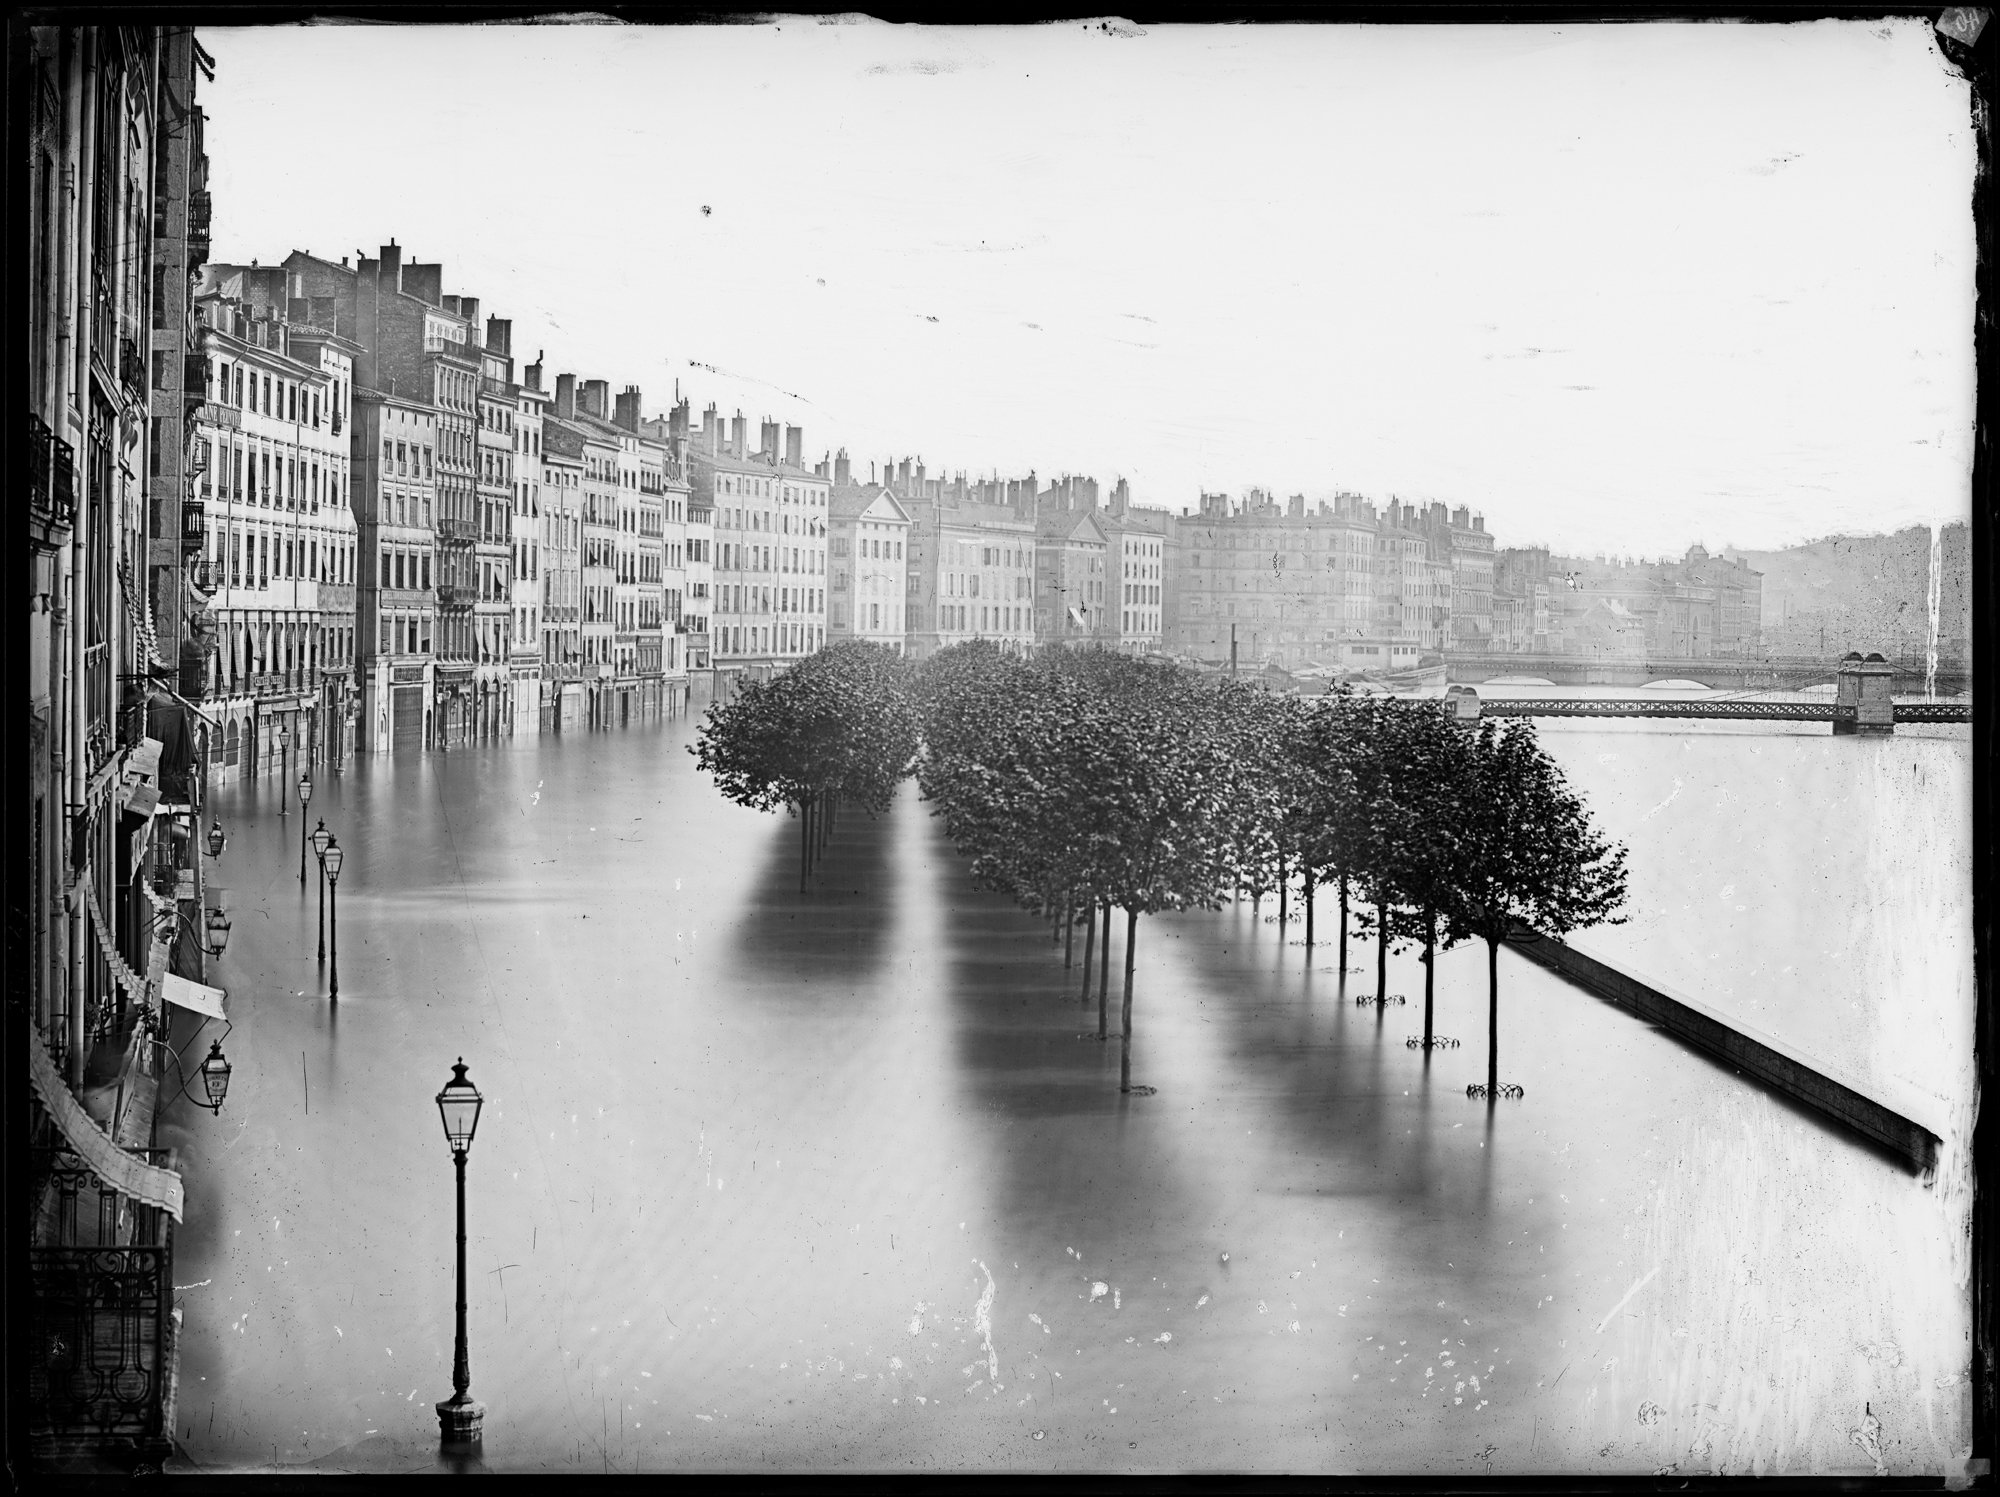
[[1459, 539], [110, 874], [770, 543], [1291, 586], [868, 565], [529, 527], [695, 540], [493, 509], [1139, 545], [180, 240], [1073, 575], [395, 441], [972, 568], [281, 531], [418, 344], [561, 571]]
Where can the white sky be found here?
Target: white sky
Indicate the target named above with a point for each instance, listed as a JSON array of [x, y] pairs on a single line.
[[1621, 288]]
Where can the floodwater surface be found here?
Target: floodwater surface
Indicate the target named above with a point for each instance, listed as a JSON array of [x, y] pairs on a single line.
[[844, 1180]]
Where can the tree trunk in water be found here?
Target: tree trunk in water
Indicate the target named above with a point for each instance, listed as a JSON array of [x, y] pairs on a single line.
[[1343, 925], [1492, 1019], [1284, 895], [1309, 909], [805, 847], [1069, 934], [1125, 1050], [1104, 976], [1430, 972], [1381, 954], [1089, 949]]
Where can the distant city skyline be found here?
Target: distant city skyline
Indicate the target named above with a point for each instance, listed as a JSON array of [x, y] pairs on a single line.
[[1620, 289]]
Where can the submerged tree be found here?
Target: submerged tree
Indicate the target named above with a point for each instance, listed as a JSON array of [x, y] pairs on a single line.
[[1530, 863]]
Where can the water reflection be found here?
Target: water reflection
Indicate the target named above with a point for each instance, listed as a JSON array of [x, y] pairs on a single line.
[[831, 1181]]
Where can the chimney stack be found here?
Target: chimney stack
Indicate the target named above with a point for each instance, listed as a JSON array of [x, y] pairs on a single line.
[[500, 336], [739, 435], [566, 396], [767, 439], [392, 264], [795, 446], [711, 430], [903, 477], [468, 308], [594, 398], [532, 375], [626, 414], [842, 472]]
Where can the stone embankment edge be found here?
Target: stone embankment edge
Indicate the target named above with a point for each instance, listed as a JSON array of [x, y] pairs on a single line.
[[1909, 1141]]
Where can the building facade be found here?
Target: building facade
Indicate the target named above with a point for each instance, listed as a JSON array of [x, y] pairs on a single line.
[[528, 553], [868, 566], [281, 532], [111, 874], [395, 443], [770, 532]]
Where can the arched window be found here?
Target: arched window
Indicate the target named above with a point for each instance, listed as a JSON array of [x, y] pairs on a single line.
[[231, 744]]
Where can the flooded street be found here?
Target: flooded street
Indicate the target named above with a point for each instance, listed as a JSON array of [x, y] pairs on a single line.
[[844, 1180]]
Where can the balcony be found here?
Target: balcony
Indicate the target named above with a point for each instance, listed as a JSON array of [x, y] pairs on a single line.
[[452, 529], [449, 596], [200, 209], [51, 483], [100, 1342], [131, 366], [194, 378], [194, 525]]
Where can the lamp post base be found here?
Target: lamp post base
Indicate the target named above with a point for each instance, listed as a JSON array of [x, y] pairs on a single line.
[[461, 1420]]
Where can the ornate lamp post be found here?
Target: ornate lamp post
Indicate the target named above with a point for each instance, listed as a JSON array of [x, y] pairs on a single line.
[[214, 1075], [305, 799], [331, 860], [461, 1418], [284, 748], [218, 929], [217, 840], [320, 838]]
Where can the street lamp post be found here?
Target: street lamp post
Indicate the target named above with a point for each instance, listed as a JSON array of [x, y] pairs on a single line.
[[284, 751], [218, 929], [331, 861], [305, 799], [461, 1418], [320, 838], [217, 840]]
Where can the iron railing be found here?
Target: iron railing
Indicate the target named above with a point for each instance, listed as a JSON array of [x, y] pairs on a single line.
[[100, 1334], [1817, 712], [1933, 712]]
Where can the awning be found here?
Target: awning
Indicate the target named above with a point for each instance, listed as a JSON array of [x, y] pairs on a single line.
[[1076, 618], [210, 1003], [117, 1169]]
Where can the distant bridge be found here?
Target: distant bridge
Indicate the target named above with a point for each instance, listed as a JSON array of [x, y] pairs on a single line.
[[1766, 673], [1806, 712]]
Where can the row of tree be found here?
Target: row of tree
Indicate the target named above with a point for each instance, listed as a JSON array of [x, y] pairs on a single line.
[[839, 727], [1083, 782]]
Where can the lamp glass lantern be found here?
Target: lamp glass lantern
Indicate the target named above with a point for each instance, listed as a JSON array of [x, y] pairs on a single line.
[[305, 789], [218, 928], [215, 1076], [217, 839], [320, 838], [458, 1107], [333, 857]]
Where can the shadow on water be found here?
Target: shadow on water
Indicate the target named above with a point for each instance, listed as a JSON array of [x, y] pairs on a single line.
[[836, 932]]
